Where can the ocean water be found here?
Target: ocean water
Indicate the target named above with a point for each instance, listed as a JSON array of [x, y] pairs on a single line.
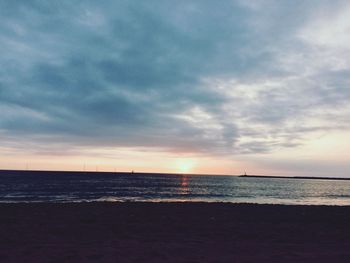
[[86, 187]]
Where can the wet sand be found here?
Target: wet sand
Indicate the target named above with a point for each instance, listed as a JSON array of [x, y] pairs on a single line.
[[173, 232]]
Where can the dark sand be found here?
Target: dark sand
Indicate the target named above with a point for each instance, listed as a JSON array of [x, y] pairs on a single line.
[[173, 232]]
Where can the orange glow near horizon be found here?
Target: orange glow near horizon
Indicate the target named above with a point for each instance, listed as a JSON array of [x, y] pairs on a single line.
[[123, 160], [330, 149]]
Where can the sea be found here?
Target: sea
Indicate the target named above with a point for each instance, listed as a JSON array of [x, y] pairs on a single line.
[[59, 187]]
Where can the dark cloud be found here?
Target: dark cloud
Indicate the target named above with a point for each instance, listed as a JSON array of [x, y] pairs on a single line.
[[125, 74]]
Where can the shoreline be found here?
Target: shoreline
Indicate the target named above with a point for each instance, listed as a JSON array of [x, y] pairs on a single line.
[[173, 232], [166, 202]]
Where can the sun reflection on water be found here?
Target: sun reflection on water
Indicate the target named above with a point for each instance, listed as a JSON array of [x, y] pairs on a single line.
[[184, 184]]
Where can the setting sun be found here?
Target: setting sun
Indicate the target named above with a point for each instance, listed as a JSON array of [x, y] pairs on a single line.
[[185, 165]]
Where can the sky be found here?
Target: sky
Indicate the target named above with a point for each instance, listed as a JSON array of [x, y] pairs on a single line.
[[217, 87]]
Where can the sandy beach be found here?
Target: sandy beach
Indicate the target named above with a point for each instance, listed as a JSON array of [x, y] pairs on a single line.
[[173, 232]]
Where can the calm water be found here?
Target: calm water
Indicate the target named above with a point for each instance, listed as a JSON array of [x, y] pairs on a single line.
[[77, 187]]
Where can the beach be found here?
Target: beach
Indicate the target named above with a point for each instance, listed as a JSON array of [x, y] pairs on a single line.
[[173, 232]]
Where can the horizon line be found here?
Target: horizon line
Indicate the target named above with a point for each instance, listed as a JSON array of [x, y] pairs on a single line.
[[179, 174]]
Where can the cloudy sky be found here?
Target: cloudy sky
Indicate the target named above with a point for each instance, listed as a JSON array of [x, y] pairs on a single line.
[[193, 86]]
